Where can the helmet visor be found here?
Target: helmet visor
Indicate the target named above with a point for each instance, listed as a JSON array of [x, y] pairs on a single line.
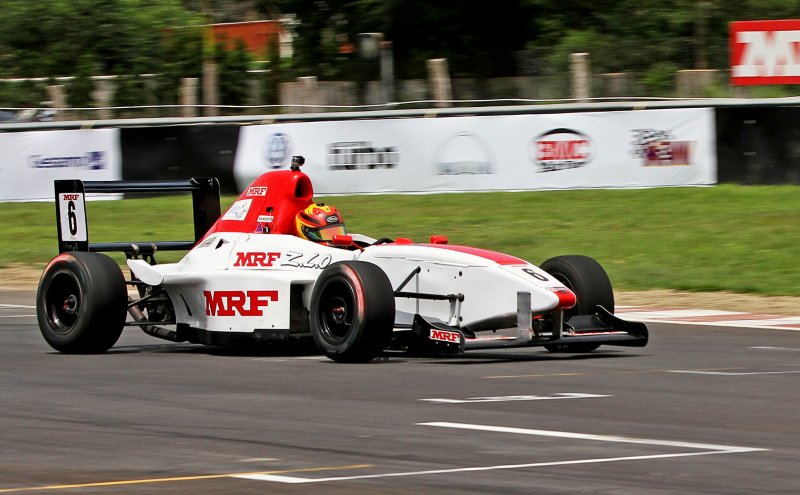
[[324, 233]]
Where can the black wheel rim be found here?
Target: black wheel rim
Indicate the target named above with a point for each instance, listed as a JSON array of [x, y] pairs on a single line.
[[63, 303], [336, 311]]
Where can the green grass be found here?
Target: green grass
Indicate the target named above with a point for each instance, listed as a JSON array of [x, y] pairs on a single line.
[[735, 238]]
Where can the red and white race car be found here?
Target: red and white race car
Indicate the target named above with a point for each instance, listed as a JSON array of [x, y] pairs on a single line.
[[277, 266]]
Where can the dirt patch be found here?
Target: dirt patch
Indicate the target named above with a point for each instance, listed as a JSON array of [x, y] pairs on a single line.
[[26, 278], [723, 301]]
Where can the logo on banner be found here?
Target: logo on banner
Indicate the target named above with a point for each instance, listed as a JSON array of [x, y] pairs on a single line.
[[92, 160], [765, 52], [463, 153], [657, 148], [361, 155], [279, 149], [561, 149]]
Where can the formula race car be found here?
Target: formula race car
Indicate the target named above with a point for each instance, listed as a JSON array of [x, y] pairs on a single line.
[[279, 267]]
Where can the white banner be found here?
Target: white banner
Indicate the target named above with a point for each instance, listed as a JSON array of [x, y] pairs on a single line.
[[31, 161], [645, 148]]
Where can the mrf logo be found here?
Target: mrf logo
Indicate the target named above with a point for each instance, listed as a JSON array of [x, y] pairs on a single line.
[[70, 197], [561, 149], [445, 336], [256, 259], [233, 302], [256, 191], [765, 52]]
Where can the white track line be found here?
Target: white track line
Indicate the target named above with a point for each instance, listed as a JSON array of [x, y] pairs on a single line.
[[706, 449]]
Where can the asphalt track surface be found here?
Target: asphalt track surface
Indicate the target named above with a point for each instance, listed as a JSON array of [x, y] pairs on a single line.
[[711, 410]]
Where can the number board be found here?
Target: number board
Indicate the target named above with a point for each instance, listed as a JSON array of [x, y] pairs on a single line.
[[72, 217]]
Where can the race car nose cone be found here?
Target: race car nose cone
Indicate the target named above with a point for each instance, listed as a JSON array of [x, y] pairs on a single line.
[[566, 298]]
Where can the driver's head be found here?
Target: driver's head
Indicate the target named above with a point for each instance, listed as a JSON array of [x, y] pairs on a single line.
[[319, 222]]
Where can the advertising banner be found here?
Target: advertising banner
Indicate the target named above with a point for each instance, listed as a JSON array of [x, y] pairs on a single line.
[[765, 52], [31, 161], [645, 148]]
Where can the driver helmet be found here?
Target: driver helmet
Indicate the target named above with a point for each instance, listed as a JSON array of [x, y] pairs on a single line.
[[319, 222]]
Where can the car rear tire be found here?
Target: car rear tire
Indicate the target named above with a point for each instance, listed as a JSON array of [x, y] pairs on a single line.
[[589, 281], [352, 311], [81, 303]]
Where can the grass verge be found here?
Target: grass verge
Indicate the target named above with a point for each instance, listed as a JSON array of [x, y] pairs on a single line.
[[724, 238]]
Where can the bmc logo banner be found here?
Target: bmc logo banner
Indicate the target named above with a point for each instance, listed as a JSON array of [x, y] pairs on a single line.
[[765, 52]]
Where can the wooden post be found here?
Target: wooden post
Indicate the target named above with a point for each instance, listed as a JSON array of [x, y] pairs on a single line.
[[188, 97], [581, 76], [210, 88], [58, 98], [439, 77]]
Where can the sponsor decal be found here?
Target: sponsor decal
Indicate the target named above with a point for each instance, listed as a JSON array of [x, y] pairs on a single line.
[[207, 242], [256, 259], [561, 149], [72, 217], [658, 148], [463, 153], [256, 191], [233, 302], [765, 52], [93, 160], [361, 155], [293, 259], [265, 218], [279, 149], [445, 336], [238, 210]]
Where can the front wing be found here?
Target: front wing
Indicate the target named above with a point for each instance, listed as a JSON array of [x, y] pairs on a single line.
[[602, 327]]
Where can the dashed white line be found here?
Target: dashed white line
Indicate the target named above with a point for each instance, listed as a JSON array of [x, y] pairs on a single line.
[[513, 398], [734, 373]]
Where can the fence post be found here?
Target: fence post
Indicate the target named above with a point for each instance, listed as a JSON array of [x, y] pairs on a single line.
[[387, 71], [581, 76], [103, 95], [188, 97], [310, 94], [58, 97], [439, 77], [210, 88]]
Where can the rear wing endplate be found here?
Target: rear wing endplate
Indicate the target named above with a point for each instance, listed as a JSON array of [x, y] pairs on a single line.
[[73, 230]]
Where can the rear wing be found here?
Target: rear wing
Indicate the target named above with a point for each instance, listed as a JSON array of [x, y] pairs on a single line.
[[73, 231]]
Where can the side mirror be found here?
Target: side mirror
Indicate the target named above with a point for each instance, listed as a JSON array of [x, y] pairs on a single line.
[[342, 240]]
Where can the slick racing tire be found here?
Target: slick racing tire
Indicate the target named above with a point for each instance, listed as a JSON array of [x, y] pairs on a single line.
[[81, 303], [588, 280], [352, 311]]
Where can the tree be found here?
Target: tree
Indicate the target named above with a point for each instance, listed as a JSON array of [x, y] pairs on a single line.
[[41, 39]]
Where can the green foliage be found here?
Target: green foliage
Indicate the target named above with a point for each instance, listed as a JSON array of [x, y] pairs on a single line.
[[47, 38], [102, 37], [81, 87], [737, 238], [660, 78], [233, 63]]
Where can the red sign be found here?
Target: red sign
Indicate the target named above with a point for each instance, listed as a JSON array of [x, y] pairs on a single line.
[[231, 302], [765, 52]]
